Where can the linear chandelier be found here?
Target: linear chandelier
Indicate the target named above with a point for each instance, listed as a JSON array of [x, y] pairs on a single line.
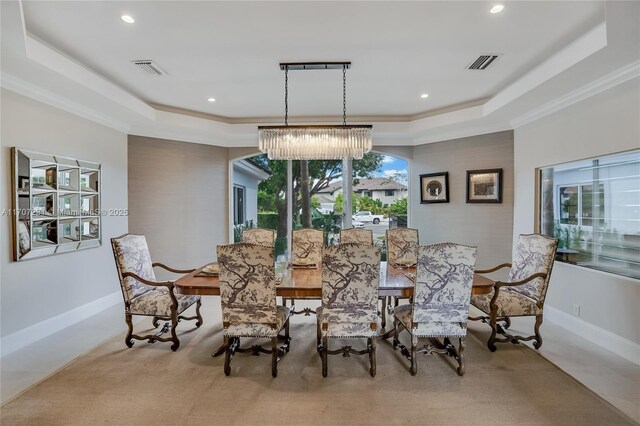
[[322, 142]]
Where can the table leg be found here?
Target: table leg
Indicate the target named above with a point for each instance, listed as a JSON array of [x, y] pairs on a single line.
[[218, 351]]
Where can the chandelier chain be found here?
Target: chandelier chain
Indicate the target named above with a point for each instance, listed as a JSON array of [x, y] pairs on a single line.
[[286, 95], [344, 95]]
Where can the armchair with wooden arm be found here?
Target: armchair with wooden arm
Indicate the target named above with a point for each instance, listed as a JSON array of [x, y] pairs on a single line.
[[144, 295], [524, 292]]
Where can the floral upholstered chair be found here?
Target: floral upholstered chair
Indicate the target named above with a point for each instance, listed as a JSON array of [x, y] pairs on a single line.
[[402, 247], [259, 236], [357, 236], [307, 247], [524, 292], [248, 299], [350, 279], [440, 306], [143, 295]]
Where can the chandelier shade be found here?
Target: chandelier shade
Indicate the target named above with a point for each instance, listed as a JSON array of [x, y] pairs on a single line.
[[324, 142], [315, 142]]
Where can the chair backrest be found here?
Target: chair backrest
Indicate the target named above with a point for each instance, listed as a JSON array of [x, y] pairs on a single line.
[[350, 280], [444, 279], [132, 255], [247, 283], [402, 245], [307, 246], [534, 253], [259, 236], [356, 236]]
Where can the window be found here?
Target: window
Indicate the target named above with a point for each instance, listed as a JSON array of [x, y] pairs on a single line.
[[389, 192], [367, 194], [593, 208], [238, 205]]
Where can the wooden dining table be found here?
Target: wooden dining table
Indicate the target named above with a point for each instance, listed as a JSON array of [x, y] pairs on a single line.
[[306, 283]]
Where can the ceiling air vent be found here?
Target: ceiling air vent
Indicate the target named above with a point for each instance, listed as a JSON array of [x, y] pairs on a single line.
[[483, 62], [149, 67]]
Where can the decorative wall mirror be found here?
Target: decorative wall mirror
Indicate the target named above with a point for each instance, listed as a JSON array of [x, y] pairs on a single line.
[[56, 204]]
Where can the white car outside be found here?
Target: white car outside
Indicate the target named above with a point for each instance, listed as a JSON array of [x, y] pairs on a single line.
[[367, 217]]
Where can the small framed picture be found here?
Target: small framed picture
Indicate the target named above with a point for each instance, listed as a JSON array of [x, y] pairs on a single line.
[[484, 186], [434, 188]]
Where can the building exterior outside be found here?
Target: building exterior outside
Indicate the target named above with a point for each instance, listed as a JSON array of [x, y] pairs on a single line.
[[379, 188], [247, 175]]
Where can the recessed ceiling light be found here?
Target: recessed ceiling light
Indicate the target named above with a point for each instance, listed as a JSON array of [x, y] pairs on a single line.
[[211, 99], [128, 19], [497, 8], [424, 95]]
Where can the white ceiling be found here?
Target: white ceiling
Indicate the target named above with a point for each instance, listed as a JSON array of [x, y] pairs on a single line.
[[76, 56], [231, 50]]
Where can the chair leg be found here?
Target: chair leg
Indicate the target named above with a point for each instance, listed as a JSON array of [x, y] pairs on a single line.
[[325, 349], [507, 322], [318, 338], [396, 333], [372, 355], [494, 329], [274, 356], [174, 335], [287, 336], [414, 361], [155, 322], [128, 340], [461, 357], [384, 312], [227, 356], [537, 343], [198, 305]]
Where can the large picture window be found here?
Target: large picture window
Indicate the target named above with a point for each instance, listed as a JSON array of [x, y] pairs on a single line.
[[593, 208]]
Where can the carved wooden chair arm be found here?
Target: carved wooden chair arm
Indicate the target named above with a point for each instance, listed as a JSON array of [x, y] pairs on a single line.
[[486, 271], [175, 271], [168, 284], [517, 283]]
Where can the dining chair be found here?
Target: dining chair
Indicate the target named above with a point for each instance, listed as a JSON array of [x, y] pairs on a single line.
[[144, 295], [357, 236], [440, 306], [307, 245], [402, 246], [248, 301], [350, 279], [259, 236], [523, 293]]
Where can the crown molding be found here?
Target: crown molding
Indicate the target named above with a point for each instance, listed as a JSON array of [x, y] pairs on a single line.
[[602, 84], [39, 94]]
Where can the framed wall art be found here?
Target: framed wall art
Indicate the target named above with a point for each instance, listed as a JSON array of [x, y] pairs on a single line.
[[484, 186], [434, 188]]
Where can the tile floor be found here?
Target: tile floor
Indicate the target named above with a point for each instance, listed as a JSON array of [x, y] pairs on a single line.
[[610, 376]]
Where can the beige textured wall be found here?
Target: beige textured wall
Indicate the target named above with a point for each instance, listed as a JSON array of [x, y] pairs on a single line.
[[39, 289], [178, 198], [603, 124], [488, 226]]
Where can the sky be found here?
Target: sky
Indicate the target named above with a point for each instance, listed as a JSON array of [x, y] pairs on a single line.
[[394, 167]]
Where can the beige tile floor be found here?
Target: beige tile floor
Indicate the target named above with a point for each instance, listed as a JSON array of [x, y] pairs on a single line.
[[610, 376]]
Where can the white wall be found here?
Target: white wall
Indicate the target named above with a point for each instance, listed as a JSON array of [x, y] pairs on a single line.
[[36, 290], [488, 226], [603, 124]]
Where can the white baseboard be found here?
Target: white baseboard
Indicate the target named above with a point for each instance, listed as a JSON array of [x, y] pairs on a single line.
[[601, 337], [31, 334]]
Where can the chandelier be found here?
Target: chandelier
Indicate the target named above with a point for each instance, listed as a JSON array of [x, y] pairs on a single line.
[[322, 142]]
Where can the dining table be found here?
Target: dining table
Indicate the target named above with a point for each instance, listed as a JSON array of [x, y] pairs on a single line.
[[306, 283]]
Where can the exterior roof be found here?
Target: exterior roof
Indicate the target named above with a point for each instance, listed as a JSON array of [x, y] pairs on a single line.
[[372, 184]]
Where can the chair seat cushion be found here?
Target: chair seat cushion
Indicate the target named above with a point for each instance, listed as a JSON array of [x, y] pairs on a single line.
[[341, 325], [158, 302], [510, 303], [429, 329], [259, 329]]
